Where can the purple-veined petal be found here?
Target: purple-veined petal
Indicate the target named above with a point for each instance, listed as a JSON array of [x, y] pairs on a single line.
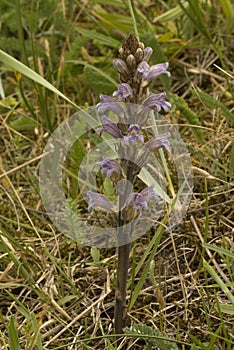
[[158, 142], [110, 127], [109, 103], [97, 200], [142, 69], [157, 101], [156, 70]]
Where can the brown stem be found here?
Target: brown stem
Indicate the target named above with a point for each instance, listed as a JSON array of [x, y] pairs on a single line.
[[120, 293], [124, 235]]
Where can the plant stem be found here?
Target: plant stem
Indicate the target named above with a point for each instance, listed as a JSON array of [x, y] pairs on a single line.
[[121, 285], [124, 235]]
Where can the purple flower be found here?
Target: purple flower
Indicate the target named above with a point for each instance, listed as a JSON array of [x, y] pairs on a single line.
[[150, 73], [158, 142], [140, 200], [109, 103], [157, 101], [97, 200], [156, 70], [141, 69], [110, 127], [147, 54], [120, 66], [134, 134], [124, 91], [111, 168]]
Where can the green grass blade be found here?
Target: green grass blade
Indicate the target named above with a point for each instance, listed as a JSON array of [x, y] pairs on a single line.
[[218, 280], [231, 164], [221, 251], [14, 64], [172, 14], [227, 8], [101, 38], [195, 14], [153, 245], [13, 335]]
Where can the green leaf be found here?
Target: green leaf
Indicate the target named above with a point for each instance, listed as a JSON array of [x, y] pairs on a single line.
[[97, 81], [108, 188], [95, 253], [152, 336], [23, 123], [227, 309], [66, 299], [13, 335]]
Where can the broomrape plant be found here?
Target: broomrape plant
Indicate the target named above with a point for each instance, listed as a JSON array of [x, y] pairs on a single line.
[[133, 146]]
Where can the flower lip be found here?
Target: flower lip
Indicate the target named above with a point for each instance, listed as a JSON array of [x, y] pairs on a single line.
[[150, 73], [157, 101], [143, 67], [140, 200], [111, 168], [97, 200], [134, 134], [156, 70], [124, 91]]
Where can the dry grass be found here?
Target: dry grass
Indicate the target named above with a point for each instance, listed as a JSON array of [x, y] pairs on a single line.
[[57, 294]]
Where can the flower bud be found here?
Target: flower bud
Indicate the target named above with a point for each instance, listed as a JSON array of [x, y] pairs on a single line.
[[131, 60], [147, 54], [120, 66]]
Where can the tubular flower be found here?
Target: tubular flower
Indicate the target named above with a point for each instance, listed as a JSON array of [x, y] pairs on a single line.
[[148, 73], [124, 91], [156, 70], [157, 101], [99, 201], [142, 68], [134, 134], [140, 200], [109, 103], [111, 168], [158, 142], [110, 127]]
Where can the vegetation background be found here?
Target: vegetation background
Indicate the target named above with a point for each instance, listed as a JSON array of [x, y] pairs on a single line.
[[57, 294]]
